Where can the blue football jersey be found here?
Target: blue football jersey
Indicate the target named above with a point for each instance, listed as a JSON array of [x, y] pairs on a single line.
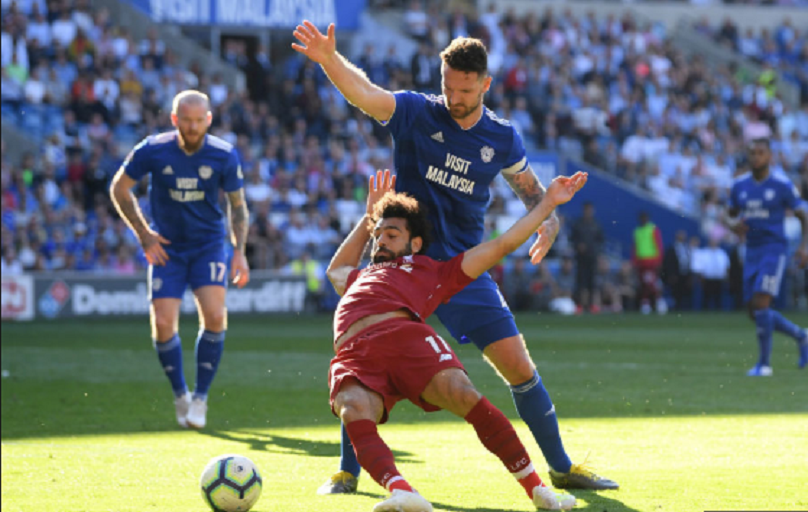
[[450, 169], [184, 189], [763, 207]]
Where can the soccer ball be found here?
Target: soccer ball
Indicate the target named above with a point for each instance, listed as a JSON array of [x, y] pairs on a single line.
[[230, 483]]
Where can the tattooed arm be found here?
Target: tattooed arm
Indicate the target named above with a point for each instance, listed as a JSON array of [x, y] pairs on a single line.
[[126, 204], [529, 189], [239, 226]]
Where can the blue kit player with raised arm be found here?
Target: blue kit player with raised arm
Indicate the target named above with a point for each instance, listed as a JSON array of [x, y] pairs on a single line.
[[185, 245], [757, 209], [448, 150]]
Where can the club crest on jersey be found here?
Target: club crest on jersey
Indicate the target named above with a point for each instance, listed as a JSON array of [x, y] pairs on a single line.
[[205, 172], [487, 154], [768, 194]]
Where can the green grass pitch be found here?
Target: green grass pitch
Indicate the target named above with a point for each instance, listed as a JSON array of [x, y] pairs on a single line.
[[660, 404]]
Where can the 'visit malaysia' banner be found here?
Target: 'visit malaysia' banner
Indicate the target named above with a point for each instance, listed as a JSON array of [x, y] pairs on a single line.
[[254, 13]]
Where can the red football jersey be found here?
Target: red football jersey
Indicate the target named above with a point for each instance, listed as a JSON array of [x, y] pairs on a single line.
[[416, 283]]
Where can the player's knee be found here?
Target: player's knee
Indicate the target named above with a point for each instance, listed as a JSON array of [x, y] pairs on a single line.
[[461, 393], [350, 409], [215, 320], [467, 398], [163, 326]]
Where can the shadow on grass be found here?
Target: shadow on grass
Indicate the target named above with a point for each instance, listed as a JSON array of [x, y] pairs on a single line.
[[272, 443], [600, 502]]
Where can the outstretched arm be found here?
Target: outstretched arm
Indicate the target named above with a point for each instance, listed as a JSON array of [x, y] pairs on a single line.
[[529, 189], [486, 255], [239, 226], [351, 81], [349, 254]]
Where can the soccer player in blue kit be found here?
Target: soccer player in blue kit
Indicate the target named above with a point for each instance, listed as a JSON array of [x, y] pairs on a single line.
[[757, 208], [185, 245], [448, 150]]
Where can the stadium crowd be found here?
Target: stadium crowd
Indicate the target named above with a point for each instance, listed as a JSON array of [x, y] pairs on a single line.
[[611, 92]]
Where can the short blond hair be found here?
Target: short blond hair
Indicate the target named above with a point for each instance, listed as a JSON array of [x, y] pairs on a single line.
[[190, 96]]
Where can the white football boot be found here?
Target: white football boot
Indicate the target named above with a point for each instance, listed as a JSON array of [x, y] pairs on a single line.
[[197, 413], [404, 501], [545, 498], [181, 405]]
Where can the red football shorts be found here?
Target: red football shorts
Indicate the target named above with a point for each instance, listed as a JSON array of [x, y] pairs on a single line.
[[396, 358]]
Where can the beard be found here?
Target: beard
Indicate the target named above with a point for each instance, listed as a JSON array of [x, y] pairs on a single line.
[[382, 255], [460, 111], [192, 141]]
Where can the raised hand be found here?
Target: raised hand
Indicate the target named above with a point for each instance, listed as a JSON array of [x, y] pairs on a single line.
[[378, 186], [548, 232], [563, 188], [152, 243], [316, 46]]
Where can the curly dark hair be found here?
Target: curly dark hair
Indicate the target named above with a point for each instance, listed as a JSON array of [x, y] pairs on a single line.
[[466, 54], [402, 206]]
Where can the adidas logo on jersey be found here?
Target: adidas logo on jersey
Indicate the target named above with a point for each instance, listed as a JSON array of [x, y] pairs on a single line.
[[168, 170], [438, 136]]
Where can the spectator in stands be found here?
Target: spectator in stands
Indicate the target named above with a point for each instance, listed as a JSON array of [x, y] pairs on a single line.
[[314, 273], [563, 301], [587, 240], [517, 285], [11, 263], [713, 264], [676, 271]]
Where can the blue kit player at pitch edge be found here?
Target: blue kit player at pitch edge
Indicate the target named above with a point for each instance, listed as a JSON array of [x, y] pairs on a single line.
[[757, 209], [448, 150], [185, 245]]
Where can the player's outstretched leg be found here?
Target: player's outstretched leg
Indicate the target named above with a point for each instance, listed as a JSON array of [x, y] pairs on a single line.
[[164, 315], [360, 409], [452, 390], [800, 335], [533, 403], [346, 480]]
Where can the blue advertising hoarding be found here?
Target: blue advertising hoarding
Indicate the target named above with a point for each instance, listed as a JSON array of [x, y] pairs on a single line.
[[254, 13]]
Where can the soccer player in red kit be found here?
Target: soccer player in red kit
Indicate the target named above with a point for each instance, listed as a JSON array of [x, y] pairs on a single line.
[[386, 353]]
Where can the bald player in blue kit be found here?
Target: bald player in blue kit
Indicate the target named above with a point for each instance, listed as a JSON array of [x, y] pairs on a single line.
[[448, 150], [185, 244]]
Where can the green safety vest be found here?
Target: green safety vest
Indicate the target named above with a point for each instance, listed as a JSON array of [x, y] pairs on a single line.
[[768, 79], [312, 281], [645, 242]]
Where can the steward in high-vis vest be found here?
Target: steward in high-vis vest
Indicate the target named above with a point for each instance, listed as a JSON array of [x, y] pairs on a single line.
[[647, 257]]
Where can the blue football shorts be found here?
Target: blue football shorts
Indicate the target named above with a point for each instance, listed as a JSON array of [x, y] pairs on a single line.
[[763, 271], [207, 265], [478, 314]]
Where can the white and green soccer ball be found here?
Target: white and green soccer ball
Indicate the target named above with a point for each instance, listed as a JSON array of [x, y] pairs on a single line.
[[231, 483]]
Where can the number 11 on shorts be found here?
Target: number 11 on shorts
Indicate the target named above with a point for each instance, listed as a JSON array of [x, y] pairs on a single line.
[[217, 271], [437, 348]]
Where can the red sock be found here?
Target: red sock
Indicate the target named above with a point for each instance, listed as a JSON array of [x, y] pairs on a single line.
[[497, 434], [374, 455]]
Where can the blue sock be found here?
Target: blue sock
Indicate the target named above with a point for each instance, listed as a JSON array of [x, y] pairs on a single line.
[[782, 324], [764, 320], [170, 355], [209, 348], [347, 460], [536, 409]]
